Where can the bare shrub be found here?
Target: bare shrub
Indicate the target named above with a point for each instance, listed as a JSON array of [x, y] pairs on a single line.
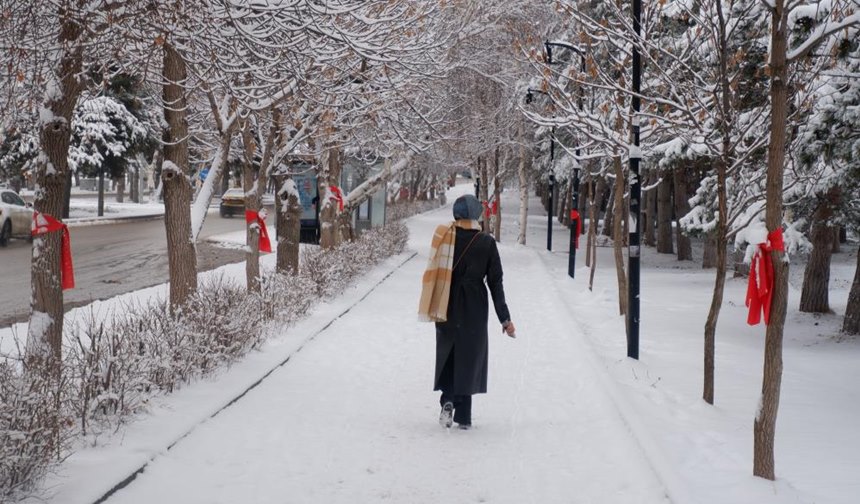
[[32, 433]]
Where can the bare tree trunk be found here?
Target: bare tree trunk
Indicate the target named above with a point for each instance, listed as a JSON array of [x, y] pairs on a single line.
[[851, 324], [330, 176], [45, 330], [649, 211], [609, 214], [120, 188], [591, 243], [618, 237], [720, 279], [764, 431], [709, 254], [524, 191], [176, 187], [497, 198], [251, 178], [682, 207], [485, 190], [289, 211], [664, 214], [814, 297]]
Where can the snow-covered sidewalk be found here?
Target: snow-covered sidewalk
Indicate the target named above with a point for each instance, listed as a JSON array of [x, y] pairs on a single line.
[[352, 418]]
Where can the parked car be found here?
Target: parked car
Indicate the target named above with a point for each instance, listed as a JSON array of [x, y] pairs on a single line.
[[232, 203], [16, 217]]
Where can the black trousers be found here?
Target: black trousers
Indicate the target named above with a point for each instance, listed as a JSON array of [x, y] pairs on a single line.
[[462, 403]]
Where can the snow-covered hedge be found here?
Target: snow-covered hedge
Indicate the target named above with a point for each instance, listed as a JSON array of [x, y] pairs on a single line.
[[114, 363]]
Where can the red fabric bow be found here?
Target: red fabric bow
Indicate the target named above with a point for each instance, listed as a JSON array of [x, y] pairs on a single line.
[[338, 196], [251, 217], [574, 216], [760, 286], [44, 224], [495, 207]]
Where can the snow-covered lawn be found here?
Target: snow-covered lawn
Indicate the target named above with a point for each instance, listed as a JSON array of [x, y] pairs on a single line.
[[350, 416]]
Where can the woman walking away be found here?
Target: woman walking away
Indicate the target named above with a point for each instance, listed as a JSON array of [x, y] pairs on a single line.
[[454, 296]]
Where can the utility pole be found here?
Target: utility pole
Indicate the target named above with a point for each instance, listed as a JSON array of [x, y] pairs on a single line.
[[575, 218], [635, 195]]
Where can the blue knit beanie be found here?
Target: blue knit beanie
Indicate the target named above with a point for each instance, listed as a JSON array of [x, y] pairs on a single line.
[[467, 207]]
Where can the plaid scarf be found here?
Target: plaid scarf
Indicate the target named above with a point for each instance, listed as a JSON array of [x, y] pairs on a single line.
[[436, 283]]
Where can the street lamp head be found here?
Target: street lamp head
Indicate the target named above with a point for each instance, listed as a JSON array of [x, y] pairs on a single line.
[[529, 96]]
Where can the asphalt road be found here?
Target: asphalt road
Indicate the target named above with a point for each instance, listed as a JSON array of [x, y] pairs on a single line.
[[109, 259]]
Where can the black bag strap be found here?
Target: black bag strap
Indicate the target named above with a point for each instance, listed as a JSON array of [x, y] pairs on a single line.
[[465, 250]]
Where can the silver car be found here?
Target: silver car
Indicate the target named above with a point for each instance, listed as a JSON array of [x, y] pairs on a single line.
[[16, 217]]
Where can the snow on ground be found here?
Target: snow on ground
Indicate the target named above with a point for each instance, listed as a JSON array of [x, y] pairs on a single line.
[[568, 418], [86, 209]]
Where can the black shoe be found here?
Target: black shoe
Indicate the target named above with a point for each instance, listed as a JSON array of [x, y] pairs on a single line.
[[446, 416], [464, 426]]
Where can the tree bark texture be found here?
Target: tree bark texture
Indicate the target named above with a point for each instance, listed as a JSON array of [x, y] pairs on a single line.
[[764, 431], [45, 330], [330, 176], [609, 213], [814, 297], [719, 282], [591, 243], [485, 189], [664, 214], [851, 324], [522, 172], [252, 177], [618, 237], [709, 253], [176, 186], [682, 208], [497, 197], [649, 211], [288, 226]]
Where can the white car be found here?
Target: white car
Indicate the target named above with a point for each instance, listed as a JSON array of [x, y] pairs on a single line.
[[16, 217]]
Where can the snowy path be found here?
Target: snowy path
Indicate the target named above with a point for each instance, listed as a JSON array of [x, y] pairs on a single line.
[[351, 418]]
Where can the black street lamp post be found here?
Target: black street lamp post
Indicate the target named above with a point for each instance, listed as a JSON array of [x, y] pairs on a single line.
[[635, 196], [529, 99], [575, 218]]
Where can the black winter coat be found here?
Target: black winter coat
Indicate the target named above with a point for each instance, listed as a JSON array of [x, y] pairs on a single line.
[[465, 331]]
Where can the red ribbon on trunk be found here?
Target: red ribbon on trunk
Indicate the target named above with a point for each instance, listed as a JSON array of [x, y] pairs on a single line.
[[251, 217], [495, 207], [44, 224], [574, 216], [760, 286], [338, 196]]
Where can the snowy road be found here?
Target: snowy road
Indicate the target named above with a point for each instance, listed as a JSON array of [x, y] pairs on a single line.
[[352, 418], [109, 259]]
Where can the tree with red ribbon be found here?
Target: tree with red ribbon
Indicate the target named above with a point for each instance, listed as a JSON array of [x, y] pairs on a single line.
[[337, 195], [251, 217], [43, 224], [760, 286], [574, 217]]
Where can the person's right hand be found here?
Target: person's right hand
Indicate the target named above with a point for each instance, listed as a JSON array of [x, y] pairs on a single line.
[[509, 328]]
